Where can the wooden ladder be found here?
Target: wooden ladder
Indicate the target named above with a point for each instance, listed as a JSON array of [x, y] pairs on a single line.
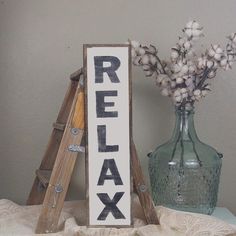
[[53, 176]]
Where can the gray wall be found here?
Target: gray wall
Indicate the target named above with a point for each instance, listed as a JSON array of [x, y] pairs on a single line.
[[41, 45]]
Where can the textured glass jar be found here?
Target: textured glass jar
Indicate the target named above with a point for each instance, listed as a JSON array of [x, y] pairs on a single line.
[[184, 172]]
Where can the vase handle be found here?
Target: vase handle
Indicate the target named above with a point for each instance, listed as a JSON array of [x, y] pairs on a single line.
[[220, 155]]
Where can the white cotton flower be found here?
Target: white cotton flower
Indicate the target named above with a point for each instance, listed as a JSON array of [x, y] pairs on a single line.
[[140, 51], [136, 61], [153, 59], [135, 44], [193, 29], [227, 62], [216, 52], [190, 85], [232, 38], [184, 69], [148, 73], [223, 62], [187, 45], [165, 92], [197, 94], [177, 97], [204, 93], [152, 49], [210, 64], [201, 62], [164, 82], [159, 78], [191, 69], [176, 67], [195, 25], [179, 80], [174, 54], [211, 74], [172, 84], [189, 24], [145, 59], [184, 92], [146, 67]]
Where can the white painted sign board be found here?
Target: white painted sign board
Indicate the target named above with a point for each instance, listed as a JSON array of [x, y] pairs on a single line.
[[107, 88]]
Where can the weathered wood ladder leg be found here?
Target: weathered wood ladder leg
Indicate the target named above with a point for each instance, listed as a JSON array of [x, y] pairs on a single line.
[[141, 188], [63, 167], [41, 181]]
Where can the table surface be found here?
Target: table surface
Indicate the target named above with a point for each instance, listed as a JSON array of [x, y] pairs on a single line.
[[224, 214]]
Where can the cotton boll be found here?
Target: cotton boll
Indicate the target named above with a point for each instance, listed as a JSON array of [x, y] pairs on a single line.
[[219, 50], [153, 59], [136, 61], [174, 54], [165, 92], [210, 64], [179, 80], [197, 92], [195, 33], [172, 84], [148, 73], [217, 56], [187, 45], [211, 52], [184, 69], [195, 25], [189, 24], [152, 49], [145, 59], [176, 68], [135, 44], [164, 82], [159, 79], [177, 96], [188, 32], [141, 51], [233, 37], [155, 74], [204, 93], [191, 69], [182, 41], [211, 74], [223, 62], [184, 92], [146, 67], [230, 57]]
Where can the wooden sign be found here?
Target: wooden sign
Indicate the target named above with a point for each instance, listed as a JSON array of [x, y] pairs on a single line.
[[108, 99]]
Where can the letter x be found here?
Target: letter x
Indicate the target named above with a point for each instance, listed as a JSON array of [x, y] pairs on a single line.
[[110, 206]]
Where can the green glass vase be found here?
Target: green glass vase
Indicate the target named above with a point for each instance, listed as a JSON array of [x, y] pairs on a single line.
[[185, 172]]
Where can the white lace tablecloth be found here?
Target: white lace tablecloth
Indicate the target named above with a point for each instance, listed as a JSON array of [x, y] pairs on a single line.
[[22, 220]]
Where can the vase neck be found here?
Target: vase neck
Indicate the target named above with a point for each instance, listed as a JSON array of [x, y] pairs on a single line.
[[184, 124]]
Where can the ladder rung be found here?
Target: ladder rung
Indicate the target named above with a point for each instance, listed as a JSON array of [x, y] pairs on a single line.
[[44, 176], [59, 126]]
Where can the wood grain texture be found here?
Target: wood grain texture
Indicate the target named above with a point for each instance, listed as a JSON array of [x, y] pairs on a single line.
[[44, 176], [141, 189], [62, 170], [35, 196]]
